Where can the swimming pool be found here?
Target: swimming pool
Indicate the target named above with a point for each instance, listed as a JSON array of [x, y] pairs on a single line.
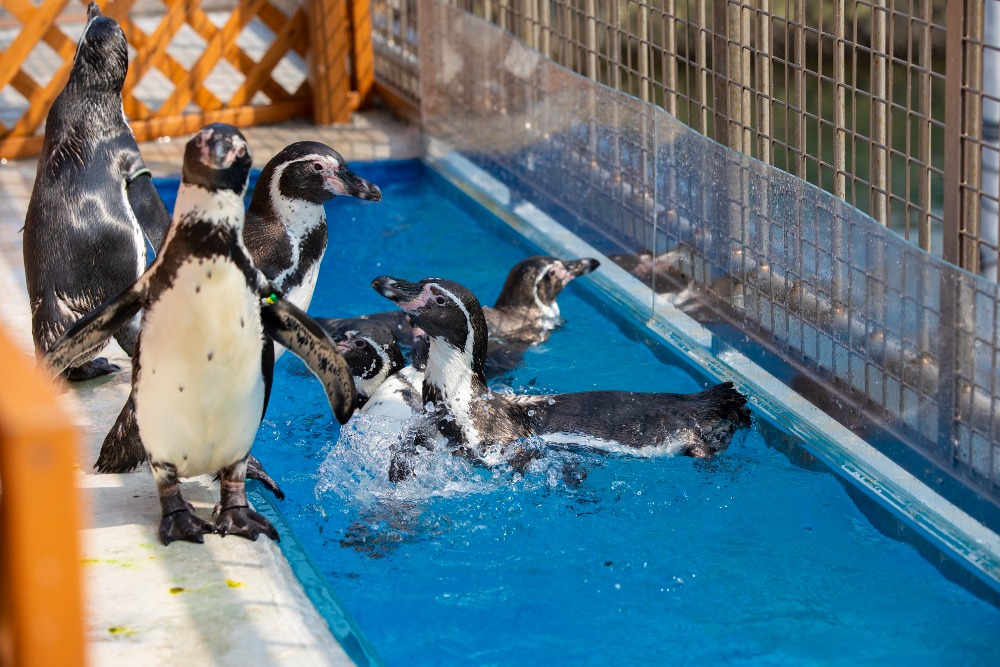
[[747, 558]]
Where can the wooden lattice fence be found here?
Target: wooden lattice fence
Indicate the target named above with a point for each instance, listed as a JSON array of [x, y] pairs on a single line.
[[245, 62]]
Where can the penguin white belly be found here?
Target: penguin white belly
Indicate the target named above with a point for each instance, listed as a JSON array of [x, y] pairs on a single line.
[[390, 399], [199, 393]]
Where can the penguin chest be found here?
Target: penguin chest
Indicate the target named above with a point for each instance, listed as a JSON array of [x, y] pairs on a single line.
[[199, 391]]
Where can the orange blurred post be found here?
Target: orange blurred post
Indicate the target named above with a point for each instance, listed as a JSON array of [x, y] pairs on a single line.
[[40, 582], [328, 49], [362, 52]]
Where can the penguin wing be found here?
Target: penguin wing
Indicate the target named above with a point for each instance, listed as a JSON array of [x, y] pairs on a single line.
[[98, 325], [148, 207], [291, 327]]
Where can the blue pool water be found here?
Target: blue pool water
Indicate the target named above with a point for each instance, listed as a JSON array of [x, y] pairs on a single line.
[[746, 559]]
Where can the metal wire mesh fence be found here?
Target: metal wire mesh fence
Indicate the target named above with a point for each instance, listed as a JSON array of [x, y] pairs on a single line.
[[875, 101]]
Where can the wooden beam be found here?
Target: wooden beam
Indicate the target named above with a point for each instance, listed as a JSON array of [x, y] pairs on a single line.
[[41, 592], [327, 20]]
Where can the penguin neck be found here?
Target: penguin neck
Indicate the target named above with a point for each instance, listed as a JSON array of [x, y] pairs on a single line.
[[219, 213], [222, 207], [452, 380]]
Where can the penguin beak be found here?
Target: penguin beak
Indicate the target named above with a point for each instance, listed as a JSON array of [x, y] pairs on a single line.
[[346, 182], [93, 11], [578, 267], [408, 296]]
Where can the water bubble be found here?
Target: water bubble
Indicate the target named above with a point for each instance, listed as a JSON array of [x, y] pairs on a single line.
[[531, 413], [429, 407], [552, 401]]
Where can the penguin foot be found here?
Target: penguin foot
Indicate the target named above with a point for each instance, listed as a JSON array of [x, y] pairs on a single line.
[[256, 471], [183, 525], [94, 368], [243, 521]]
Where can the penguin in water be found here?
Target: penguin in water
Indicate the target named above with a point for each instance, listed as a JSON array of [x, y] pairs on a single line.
[[371, 352], [285, 233], [92, 203], [482, 425], [525, 313], [202, 372]]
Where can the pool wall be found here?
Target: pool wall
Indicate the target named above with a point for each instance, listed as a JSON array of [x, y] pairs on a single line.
[[857, 321]]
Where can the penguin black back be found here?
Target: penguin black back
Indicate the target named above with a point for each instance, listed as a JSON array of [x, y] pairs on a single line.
[[92, 201]]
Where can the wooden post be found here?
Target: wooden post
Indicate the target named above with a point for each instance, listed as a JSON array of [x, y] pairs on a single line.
[[41, 596], [362, 53], [328, 48]]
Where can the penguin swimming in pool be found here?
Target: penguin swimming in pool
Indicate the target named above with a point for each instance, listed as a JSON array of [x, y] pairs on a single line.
[[371, 352], [699, 425], [285, 233], [200, 380], [525, 313], [92, 202]]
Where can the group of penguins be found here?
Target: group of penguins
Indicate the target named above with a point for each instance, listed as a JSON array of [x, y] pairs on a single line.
[[228, 282]]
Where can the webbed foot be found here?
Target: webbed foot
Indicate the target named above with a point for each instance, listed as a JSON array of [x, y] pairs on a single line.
[[243, 521], [183, 525], [94, 368]]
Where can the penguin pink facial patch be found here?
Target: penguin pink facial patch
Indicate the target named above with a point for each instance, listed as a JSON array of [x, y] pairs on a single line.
[[411, 307]]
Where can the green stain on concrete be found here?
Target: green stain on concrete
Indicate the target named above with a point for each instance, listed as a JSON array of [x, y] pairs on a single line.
[[177, 589]]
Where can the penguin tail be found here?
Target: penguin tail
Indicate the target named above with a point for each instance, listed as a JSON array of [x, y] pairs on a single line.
[[122, 449]]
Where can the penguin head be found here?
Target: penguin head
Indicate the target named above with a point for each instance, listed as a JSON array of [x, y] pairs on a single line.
[[314, 172], [535, 282], [218, 158], [101, 60], [371, 352], [445, 311]]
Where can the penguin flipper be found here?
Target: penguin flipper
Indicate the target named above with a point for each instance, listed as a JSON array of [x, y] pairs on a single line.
[[148, 207], [89, 331], [288, 325]]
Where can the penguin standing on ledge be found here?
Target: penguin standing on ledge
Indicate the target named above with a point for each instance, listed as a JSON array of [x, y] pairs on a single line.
[[203, 369], [285, 232], [92, 202], [482, 425]]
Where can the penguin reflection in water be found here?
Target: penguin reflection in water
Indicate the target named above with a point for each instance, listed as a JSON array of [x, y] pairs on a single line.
[[202, 372], [699, 425]]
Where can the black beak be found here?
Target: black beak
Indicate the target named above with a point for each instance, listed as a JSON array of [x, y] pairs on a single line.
[[356, 186], [395, 289], [578, 267], [93, 11]]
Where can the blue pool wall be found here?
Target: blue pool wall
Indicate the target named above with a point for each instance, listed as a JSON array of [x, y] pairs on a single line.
[[896, 346]]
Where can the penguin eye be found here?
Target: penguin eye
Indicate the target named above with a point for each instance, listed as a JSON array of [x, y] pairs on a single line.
[[358, 343], [440, 300], [318, 166], [241, 151]]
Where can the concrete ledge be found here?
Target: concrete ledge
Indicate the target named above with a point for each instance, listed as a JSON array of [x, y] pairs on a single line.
[[228, 601]]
